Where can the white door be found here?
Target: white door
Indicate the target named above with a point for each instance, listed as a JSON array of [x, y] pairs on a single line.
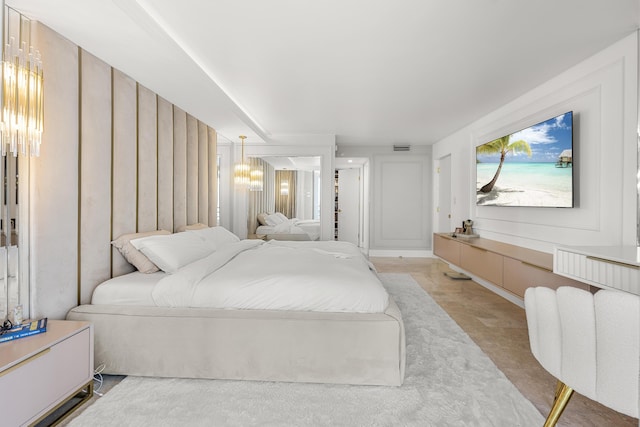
[[444, 195], [349, 205]]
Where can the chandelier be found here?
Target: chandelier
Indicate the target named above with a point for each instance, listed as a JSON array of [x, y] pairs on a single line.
[[256, 181], [241, 171], [22, 114]]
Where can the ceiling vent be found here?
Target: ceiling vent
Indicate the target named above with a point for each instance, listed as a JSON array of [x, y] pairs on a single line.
[[401, 147]]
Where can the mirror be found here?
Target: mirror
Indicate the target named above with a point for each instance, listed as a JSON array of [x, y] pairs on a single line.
[[291, 186], [9, 222]]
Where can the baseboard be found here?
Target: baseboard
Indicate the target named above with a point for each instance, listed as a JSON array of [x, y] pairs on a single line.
[[392, 253]]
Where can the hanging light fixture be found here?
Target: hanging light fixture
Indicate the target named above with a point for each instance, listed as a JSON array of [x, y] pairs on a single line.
[[241, 175], [256, 181], [22, 113], [284, 187]]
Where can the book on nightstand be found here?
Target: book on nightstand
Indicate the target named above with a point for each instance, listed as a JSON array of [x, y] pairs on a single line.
[[25, 330]]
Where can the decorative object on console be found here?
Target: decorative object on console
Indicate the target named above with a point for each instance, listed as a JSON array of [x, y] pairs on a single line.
[[22, 89], [466, 231]]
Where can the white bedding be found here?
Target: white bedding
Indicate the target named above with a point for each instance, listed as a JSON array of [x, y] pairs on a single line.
[[322, 276], [311, 227], [129, 289]]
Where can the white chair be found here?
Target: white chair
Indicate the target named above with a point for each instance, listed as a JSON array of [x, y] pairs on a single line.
[[589, 342]]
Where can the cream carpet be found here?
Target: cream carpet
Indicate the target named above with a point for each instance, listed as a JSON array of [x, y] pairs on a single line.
[[449, 382]]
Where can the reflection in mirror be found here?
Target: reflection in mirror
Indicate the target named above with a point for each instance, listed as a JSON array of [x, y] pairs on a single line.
[[9, 237], [291, 187]]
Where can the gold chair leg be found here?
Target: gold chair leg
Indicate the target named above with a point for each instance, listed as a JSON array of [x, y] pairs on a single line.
[[563, 394]]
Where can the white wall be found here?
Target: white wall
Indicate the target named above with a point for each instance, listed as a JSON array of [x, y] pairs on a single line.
[[602, 92], [400, 199]]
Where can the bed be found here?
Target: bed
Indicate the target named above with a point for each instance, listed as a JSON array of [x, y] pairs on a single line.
[[250, 310], [277, 226]]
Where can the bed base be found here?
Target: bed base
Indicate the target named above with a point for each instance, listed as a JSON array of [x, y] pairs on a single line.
[[339, 348]]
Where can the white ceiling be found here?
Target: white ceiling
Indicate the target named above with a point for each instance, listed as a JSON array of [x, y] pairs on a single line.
[[369, 71]]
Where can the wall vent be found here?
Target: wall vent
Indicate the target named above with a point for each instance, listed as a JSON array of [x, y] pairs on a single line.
[[401, 147]]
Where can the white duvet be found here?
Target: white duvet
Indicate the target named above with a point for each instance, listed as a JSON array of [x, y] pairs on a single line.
[[277, 275]]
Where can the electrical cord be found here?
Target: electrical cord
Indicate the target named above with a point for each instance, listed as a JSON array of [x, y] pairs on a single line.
[[97, 377]]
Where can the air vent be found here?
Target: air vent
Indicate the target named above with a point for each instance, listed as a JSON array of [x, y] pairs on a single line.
[[399, 147]]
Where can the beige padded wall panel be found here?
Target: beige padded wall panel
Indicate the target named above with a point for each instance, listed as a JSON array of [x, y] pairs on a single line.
[[165, 165], [179, 168], [95, 174], [213, 176], [54, 183], [147, 160], [124, 210], [192, 170], [203, 173]]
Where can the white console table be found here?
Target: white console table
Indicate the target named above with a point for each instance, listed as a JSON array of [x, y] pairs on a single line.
[[607, 267]]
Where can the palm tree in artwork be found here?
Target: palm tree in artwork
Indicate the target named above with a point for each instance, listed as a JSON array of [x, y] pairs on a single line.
[[502, 146]]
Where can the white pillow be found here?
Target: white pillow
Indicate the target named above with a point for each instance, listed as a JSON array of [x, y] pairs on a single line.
[[216, 236], [174, 251], [282, 216], [273, 220], [131, 254]]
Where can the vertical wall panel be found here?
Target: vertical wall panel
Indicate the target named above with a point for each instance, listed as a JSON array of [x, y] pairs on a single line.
[[124, 212], [114, 160], [203, 173], [147, 160], [95, 174], [165, 165], [179, 168], [212, 171], [54, 183], [192, 170]]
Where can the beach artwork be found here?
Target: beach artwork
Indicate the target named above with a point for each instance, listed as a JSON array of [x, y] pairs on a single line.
[[532, 167]]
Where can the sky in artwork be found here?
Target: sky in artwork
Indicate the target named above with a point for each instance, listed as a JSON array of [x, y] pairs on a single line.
[[547, 140]]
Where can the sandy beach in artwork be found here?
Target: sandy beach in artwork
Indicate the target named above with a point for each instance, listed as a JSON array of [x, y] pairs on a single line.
[[525, 184]]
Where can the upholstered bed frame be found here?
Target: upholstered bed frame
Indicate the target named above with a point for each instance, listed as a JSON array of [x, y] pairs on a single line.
[[342, 348]]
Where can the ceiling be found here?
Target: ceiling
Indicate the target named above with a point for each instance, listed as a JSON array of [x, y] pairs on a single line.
[[368, 71]]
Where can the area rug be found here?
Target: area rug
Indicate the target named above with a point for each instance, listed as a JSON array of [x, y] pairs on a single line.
[[449, 382]]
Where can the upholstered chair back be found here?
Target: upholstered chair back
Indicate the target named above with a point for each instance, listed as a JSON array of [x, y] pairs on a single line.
[[590, 342]]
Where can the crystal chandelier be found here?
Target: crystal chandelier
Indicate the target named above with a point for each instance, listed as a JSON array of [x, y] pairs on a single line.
[[22, 114], [256, 181], [241, 171]]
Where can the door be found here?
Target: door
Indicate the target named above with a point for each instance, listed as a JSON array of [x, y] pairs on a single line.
[[349, 205], [444, 195]]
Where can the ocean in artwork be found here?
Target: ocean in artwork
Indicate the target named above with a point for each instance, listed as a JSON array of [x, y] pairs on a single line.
[[526, 184]]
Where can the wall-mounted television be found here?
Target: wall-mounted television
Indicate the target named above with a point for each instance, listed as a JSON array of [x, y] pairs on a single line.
[[529, 168]]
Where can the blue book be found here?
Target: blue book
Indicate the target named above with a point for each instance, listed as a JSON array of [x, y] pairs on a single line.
[[24, 330]]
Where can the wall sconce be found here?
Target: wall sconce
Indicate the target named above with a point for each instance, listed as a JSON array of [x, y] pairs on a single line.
[[22, 113]]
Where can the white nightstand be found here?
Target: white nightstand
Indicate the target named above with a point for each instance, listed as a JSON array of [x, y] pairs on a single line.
[[39, 374]]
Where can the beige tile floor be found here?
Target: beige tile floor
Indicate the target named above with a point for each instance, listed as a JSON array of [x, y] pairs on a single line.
[[499, 327]]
